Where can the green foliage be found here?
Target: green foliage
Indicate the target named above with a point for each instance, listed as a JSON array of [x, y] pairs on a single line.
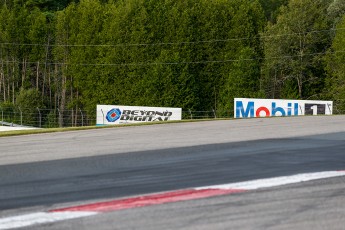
[[28, 103], [271, 8], [335, 60], [157, 53], [44, 5], [193, 54], [336, 10], [294, 49], [29, 99], [52, 120]]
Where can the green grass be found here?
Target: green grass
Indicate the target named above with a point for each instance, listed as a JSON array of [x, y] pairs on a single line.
[[55, 130]]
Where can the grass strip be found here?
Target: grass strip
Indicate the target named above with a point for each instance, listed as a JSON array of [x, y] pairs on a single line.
[[68, 129]]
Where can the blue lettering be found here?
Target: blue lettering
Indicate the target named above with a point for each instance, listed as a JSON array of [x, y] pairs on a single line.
[[249, 112], [296, 109], [289, 113], [277, 109]]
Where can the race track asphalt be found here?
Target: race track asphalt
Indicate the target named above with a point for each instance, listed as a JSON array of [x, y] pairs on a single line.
[[41, 172]]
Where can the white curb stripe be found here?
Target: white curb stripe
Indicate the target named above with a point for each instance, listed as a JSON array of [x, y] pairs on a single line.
[[277, 181], [39, 218]]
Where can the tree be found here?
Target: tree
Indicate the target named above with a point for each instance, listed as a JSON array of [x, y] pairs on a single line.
[[29, 103], [294, 47], [240, 75], [44, 5], [192, 54], [271, 8], [61, 53], [23, 53], [336, 10], [166, 53], [335, 60]]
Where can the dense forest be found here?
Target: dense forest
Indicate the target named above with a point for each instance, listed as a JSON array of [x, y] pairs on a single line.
[[194, 54]]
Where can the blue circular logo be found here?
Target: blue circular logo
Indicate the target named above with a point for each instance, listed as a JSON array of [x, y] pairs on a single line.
[[113, 115]]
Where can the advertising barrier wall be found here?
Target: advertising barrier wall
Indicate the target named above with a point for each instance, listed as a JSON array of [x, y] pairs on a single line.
[[247, 108], [118, 114]]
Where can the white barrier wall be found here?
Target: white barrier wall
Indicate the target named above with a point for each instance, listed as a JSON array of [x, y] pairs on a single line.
[[117, 114], [246, 107], [9, 128]]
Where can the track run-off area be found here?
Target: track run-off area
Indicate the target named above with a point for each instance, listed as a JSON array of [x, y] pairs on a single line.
[[263, 173]]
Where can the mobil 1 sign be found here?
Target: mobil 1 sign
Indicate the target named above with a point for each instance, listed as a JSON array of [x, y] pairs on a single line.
[[118, 114], [247, 107]]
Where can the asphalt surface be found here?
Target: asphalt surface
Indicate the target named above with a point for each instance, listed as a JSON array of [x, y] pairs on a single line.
[[41, 172], [317, 205]]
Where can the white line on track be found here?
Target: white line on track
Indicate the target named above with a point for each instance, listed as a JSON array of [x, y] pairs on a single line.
[[277, 181], [40, 218]]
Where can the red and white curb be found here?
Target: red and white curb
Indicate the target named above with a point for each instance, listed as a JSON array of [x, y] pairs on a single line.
[[159, 198]]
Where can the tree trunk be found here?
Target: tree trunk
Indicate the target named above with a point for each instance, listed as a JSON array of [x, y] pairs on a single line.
[[11, 85], [2, 78], [4, 85], [1, 71], [45, 67], [300, 84], [23, 72], [63, 100], [50, 88], [37, 74]]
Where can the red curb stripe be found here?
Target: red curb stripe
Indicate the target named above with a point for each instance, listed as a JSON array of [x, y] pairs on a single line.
[[148, 200]]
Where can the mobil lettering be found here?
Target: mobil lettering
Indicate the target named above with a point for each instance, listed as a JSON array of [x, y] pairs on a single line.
[[253, 109]]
